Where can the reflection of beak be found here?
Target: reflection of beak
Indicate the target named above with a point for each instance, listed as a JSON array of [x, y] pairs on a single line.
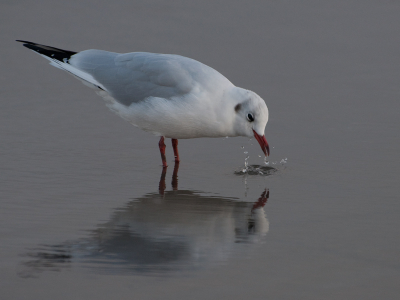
[[263, 142]]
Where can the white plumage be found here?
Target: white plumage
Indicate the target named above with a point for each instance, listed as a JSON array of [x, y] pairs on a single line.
[[168, 95]]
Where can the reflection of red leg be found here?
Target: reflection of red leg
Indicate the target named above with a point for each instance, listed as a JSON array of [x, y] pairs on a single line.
[[175, 177], [175, 147], [262, 200], [162, 185], [162, 151]]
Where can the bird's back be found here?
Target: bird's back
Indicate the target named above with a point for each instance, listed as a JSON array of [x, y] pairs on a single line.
[[133, 77]]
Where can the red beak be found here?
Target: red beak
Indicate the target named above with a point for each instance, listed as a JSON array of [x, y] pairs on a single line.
[[263, 143]]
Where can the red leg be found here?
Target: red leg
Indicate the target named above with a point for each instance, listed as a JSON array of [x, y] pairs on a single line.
[[262, 200], [175, 147], [161, 185], [175, 177], [162, 151]]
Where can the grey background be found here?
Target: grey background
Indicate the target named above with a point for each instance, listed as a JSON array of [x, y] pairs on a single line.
[[329, 72]]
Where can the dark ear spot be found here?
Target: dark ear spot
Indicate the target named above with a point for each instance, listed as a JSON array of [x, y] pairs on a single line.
[[238, 107]]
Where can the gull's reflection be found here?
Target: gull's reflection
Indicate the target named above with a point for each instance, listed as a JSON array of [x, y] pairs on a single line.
[[177, 230]]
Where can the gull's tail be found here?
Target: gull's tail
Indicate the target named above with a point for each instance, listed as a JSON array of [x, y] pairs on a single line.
[[59, 58]]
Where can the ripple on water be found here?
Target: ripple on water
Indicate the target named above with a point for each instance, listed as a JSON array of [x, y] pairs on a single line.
[[256, 170]]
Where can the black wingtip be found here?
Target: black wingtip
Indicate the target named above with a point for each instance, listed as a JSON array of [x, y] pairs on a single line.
[[49, 51], [21, 41]]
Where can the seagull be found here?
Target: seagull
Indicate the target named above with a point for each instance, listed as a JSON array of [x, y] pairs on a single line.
[[171, 96]]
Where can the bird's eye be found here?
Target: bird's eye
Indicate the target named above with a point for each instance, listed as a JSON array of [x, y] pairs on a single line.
[[250, 117]]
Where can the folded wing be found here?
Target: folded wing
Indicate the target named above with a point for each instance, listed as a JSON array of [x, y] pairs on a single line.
[[133, 77]]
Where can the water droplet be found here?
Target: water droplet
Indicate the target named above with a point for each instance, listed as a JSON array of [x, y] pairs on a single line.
[[259, 155], [246, 163], [242, 147]]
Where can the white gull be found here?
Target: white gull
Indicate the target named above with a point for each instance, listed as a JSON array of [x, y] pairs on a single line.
[[168, 95]]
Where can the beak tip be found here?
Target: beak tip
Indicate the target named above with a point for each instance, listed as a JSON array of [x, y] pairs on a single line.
[[266, 151], [263, 143]]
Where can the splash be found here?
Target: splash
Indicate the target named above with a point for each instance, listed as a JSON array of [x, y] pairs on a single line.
[[265, 169], [256, 170]]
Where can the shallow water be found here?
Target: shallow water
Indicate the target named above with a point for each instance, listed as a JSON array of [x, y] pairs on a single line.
[[86, 210], [158, 235]]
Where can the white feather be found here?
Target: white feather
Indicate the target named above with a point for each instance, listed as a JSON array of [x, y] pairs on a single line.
[[74, 71]]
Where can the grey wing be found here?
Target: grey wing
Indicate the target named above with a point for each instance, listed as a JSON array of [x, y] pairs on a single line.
[[133, 77]]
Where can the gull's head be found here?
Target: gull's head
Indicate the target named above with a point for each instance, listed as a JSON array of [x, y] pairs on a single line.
[[250, 116]]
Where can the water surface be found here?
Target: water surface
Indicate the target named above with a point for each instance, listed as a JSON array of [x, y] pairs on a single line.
[[84, 213]]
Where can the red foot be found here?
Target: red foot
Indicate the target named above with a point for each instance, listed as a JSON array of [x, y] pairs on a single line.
[[262, 200], [175, 177], [162, 185]]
